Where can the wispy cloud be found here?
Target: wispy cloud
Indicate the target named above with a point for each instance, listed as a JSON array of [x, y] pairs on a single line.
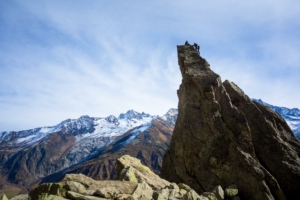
[[61, 60]]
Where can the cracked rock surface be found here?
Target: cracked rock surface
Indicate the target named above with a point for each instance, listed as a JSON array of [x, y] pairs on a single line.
[[217, 141], [138, 183]]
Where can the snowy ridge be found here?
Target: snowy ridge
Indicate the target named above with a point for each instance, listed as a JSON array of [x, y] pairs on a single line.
[[76, 141], [136, 133], [171, 116], [84, 127], [112, 126], [23, 139], [291, 116]]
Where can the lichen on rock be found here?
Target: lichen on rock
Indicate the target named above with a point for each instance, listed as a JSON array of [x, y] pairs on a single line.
[[3, 196]]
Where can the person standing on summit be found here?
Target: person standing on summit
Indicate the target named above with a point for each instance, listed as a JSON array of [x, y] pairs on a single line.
[[197, 47], [186, 43]]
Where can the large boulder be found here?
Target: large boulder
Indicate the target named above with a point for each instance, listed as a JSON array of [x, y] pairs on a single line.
[[143, 191], [77, 196], [80, 178], [138, 182], [131, 169], [111, 189], [20, 197], [59, 189], [104, 189], [212, 142]]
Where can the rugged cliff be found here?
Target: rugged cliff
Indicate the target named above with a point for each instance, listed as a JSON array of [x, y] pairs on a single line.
[[291, 116], [221, 137]]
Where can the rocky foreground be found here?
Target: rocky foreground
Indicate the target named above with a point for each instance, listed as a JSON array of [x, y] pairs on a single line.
[[135, 182]]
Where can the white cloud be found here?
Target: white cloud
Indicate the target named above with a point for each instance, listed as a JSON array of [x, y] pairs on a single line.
[[64, 59]]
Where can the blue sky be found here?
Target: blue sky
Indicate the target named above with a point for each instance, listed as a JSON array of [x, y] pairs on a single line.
[[64, 59]]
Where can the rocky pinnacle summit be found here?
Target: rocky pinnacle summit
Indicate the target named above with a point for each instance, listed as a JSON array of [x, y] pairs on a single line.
[[221, 137]]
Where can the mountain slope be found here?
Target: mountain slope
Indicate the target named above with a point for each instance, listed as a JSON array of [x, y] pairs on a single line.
[[27, 156], [83, 128], [149, 146], [291, 116]]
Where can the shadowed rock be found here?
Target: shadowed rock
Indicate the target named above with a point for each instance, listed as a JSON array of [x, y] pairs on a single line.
[[212, 142], [275, 144]]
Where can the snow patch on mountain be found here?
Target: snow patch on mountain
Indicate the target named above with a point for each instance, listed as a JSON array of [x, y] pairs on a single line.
[[291, 116], [112, 126], [135, 133], [22, 139], [82, 128], [171, 116]]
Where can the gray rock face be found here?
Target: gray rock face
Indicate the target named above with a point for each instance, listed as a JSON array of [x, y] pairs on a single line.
[[57, 189], [213, 143], [275, 144], [131, 169], [20, 197], [291, 115], [138, 183]]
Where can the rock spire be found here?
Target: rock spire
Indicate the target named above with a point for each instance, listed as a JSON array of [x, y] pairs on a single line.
[[222, 138]]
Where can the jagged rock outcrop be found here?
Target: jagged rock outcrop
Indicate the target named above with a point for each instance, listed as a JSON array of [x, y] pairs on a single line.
[[136, 182], [275, 145], [131, 169], [290, 115], [219, 139]]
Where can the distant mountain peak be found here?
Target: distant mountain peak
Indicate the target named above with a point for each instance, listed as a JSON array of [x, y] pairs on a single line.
[[172, 112], [84, 127], [131, 114], [112, 119], [171, 116], [85, 117]]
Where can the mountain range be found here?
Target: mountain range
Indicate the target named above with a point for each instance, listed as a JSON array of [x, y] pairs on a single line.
[[31, 155], [90, 145]]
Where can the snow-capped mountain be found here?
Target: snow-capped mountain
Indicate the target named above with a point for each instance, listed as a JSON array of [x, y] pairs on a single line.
[[39, 152], [171, 116], [291, 116], [83, 128]]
